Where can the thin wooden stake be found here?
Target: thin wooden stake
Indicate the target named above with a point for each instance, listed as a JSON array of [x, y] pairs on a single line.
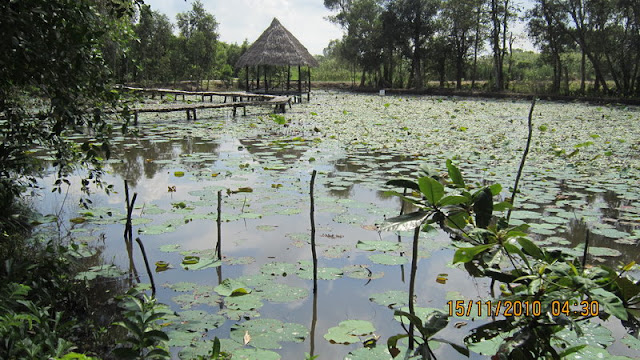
[[404, 193], [219, 222], [524, 158], [313, 235], [412, 281], [586, 251], [128, 233], [146, 263]]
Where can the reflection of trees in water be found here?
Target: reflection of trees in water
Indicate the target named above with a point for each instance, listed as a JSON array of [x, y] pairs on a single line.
[[138, 160], [261, 145], [369, 164]]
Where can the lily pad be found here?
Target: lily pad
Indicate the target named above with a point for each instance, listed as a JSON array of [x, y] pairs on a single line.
[[246, 302], [379, 352], [282, 293], [197, 321], [170, 248], [268, 333], [109, 271], [203, 263], [361, 272], [593, 352], [387, 259], [378, 245], [391, 298], [592, 334], [266, 227], [231, 287], [335, 251], [189, 300], [244, 260], [305, 271], [349, 331], [278, 269]]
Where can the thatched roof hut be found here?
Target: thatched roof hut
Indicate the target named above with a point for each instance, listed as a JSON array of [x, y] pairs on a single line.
[[278, 47]]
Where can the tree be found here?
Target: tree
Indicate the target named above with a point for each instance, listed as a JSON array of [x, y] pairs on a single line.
[[416, 20], [500, 13], [362, 21], [461, 29], [198, 34], [152, 45], [53, 79], [546, 29]]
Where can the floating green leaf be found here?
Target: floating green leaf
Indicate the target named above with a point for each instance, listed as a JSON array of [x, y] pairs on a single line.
[[378, 245], [268, 333], [231, 287], [387, 259], [391, 298], [349, 331]]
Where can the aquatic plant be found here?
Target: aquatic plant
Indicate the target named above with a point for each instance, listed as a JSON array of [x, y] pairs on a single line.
[[547, 297], [145, 339]]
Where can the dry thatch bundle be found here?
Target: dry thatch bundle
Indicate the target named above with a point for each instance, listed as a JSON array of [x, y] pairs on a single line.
[[276, 46]]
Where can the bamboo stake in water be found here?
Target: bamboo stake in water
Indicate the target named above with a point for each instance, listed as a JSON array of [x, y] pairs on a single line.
[[412, 281], [128, 234], [313, 235], [146, 263], [219, 222], [524, 158]]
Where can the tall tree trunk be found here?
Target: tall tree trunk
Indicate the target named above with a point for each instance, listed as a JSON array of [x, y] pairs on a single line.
[[583, 73], [497, 51], [476, 44]]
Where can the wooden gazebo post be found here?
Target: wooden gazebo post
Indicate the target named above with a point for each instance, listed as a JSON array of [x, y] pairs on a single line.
[[246, 88], [309, 84], [257, 77], [299, 83], [266, 84]]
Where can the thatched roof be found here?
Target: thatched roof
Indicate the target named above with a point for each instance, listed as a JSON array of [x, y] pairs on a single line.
[[276, 46]]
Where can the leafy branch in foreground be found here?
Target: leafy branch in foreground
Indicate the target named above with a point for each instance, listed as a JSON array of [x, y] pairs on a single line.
[[552, 280], [145, 339]]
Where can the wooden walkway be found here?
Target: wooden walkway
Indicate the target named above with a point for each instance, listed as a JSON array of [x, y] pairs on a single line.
[[240, 99], [235, 95]]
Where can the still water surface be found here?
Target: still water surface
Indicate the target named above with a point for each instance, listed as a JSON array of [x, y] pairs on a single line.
[[176, 169]]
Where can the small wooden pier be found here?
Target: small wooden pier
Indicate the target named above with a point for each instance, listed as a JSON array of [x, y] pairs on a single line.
[[239, 99]]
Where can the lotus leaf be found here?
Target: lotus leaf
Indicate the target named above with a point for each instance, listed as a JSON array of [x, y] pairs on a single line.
[[349, 331], [268, 333]]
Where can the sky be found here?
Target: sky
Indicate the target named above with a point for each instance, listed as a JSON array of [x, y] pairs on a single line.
[[247, 19], [305, 19]]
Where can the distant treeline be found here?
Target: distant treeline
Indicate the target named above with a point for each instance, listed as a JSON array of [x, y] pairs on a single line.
[[151, 52], [587, 46], [404, 43]]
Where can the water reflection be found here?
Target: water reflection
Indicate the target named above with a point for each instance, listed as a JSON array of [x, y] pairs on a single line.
[[140, 157], [263, 235]]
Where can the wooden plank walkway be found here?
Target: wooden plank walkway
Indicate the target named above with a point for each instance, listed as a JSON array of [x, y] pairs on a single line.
[[240, 99], [279, 103], [233, 94]]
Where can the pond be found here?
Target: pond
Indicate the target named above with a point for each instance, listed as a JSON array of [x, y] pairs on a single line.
[[582, 175]]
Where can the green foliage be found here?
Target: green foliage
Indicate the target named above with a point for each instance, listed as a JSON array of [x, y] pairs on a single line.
[[278, 119], [215, 353], [145, 339], [28, 330], [556, 281], [55, 80], [433, 322]]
